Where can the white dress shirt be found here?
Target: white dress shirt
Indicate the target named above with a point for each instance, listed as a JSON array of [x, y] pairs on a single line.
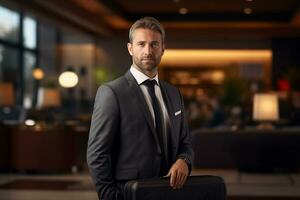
[[140, 78]]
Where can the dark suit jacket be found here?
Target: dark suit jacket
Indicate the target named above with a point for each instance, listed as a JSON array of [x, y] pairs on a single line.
[[123, 144]]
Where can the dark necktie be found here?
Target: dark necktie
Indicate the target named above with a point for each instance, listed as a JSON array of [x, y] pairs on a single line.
[[158, 124]]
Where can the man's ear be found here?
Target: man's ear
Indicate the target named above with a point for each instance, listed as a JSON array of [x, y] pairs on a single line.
[[129, 47]]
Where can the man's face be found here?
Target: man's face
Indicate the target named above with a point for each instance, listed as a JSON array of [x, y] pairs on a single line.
[[146, 49]]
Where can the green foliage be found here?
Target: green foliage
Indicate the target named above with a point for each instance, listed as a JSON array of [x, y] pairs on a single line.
[[233, 91], [103, 75], [50, 83]]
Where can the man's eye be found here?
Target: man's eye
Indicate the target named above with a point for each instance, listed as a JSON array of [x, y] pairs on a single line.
[[155, 45]]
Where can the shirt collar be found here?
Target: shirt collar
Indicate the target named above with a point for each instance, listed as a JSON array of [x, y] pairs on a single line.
[[140, 77]]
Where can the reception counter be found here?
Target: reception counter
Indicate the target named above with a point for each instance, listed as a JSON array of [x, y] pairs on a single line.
[[248, 150]]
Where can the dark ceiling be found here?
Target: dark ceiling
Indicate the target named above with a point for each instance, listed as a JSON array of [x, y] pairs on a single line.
[[209, 10], [231, 17]]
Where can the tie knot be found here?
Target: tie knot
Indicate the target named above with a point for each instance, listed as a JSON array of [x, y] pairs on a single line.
[[150, 83]]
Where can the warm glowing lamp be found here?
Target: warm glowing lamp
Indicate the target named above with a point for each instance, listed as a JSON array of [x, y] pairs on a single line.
[[265, 109], [38, 73], [48, 97], [68, 79], [7, 94], [217, 76]]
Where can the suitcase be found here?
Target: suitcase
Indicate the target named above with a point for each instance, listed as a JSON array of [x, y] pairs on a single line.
[[196, 188]]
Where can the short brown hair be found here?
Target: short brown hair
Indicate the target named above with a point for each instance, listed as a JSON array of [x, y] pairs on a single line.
[[147, 23]]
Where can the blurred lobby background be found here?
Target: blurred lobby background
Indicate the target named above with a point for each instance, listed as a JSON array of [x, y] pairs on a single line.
[[236, 62]]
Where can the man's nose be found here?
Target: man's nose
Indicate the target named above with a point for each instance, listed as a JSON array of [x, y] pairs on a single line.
[[148, 49]]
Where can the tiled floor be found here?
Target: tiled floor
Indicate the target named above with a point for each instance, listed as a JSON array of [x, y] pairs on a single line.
[[238, 184], [46, 194]]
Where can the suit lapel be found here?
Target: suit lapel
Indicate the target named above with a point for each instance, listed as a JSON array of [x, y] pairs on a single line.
[[141, 102]]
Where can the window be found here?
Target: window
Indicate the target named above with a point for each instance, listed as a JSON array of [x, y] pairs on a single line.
[[18, 53], [8, 64], [29, 33], [9, 25]]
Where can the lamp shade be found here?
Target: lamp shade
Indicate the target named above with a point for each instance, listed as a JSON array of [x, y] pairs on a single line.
[[48, 97], [265, 107], [7, 94]]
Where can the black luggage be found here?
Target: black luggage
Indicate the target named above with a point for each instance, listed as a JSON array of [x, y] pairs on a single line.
[[196, 188]]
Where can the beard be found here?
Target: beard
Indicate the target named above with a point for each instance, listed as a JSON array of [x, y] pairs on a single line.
[[146, 63]]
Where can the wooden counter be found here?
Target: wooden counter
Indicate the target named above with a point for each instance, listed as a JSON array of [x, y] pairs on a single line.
[[42, 149]]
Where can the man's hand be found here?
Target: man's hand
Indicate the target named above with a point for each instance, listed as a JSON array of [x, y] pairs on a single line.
[[178, 174]]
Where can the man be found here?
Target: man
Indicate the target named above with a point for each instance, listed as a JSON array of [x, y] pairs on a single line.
[[138, 128]]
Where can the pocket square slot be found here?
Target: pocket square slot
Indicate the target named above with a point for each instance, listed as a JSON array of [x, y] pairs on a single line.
[[177, 113]]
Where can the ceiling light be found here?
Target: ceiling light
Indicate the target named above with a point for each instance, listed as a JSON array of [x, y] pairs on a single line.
[[176, 1], [247, 11], [68, 79], [183, 11], [249, 0], [213, 57]]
